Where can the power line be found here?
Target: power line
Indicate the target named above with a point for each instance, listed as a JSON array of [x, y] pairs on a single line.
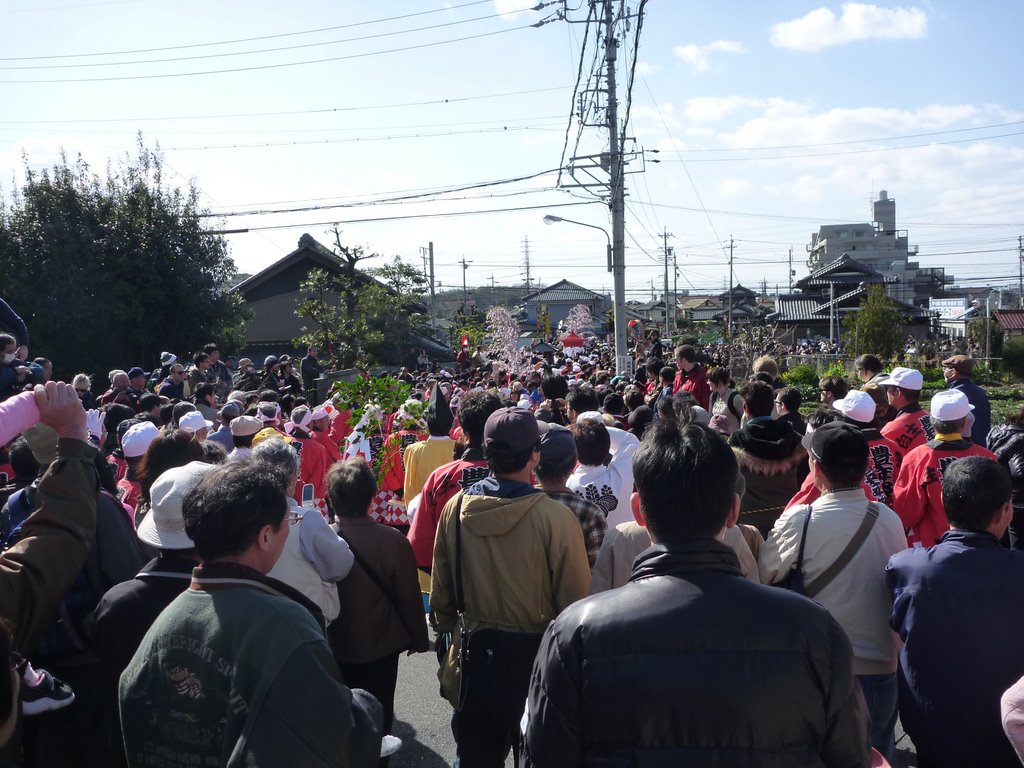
[[848, 152], [477, 185], [241, 39], [575, 90], [463, 123], [354, 139], [326, 110], [258, 67], [134, 62], [415, 216]]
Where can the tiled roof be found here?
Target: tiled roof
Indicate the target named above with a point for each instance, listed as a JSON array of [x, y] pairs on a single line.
[[563, 291], [1010, 319], [845, 269]]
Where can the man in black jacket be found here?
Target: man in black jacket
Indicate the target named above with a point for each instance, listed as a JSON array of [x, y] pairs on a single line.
[[690, 664]]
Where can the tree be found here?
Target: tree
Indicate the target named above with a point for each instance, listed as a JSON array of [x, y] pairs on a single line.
[[978, 330], [109, 272], [579, 320], [504, 332], [356, 319], [877, 327]]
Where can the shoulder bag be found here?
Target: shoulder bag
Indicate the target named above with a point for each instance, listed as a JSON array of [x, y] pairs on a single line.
[[495, 664], [794, 580]]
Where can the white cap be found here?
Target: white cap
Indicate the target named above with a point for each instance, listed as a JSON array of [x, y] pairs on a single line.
[[137, 439], [906, 378], [857, 406], [195, 421], [950, 405], [164, 526]]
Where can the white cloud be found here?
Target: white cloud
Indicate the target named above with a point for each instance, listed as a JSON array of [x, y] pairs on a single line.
[[821, 28], [698, 56], [646, 68]]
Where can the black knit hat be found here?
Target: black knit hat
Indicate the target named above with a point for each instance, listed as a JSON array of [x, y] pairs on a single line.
[[439, 414]]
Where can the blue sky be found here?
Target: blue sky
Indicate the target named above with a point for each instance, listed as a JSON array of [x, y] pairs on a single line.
[[769, 118]]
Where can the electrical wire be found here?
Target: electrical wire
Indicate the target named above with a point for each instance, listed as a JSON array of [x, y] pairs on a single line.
[[242, 39], [356, 139], [575, 90], [263, 67], [406, 217], [463, 188], [226, 54], [326, 110]]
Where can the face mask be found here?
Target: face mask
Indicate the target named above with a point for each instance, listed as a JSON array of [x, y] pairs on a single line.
[[9, 358]]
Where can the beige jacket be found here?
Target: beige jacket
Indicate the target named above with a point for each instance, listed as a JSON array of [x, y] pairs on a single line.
[[523, 562], [625, 541]]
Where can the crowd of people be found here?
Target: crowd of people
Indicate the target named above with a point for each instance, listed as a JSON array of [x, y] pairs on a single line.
[[206, 564]]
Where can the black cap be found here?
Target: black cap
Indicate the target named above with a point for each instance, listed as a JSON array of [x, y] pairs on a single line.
[[837, 445], [557, 444], [512, 429]]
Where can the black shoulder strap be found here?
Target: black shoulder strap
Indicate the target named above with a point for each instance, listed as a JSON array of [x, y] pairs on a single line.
[[803, 540], [732, 408], [460, 596], [847, 554], [375, 579]]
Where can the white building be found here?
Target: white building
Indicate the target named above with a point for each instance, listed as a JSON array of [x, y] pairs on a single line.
[[882, 247]]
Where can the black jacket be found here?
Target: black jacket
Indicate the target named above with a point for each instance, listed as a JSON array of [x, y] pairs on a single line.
[[690, 664], [1006, 441], [773, 464]]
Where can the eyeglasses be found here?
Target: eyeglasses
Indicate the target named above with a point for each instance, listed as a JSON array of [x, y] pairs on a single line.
[[293, 518]]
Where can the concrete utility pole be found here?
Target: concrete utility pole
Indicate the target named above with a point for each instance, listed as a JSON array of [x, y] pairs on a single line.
[[526, 261], [675, 291], [668, 252], [790, 270], [1020, 260], [728, 320], [465, 265], [617, 178], [433, 308]]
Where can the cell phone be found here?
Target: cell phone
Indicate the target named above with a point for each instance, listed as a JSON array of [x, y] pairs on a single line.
[[307, 496]]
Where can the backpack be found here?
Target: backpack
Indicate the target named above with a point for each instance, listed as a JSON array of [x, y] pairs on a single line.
[[66, 636]]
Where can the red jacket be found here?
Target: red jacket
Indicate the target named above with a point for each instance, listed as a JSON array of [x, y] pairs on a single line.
[[696, 383], [884, 461], [313, 466], [918, 491], [911, 428], [443, 483], [809, 493]]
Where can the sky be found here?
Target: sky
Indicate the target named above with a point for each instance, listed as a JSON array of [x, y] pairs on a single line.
[[766, 120]]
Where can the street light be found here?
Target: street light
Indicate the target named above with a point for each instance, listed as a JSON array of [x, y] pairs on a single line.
[[622, 361], [551, 219]]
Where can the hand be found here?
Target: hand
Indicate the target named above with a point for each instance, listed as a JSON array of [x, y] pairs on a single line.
[[60, 408], [94, 423], [22, 353]]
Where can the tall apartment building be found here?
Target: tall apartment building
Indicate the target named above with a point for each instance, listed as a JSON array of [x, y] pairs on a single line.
[[882, 247]]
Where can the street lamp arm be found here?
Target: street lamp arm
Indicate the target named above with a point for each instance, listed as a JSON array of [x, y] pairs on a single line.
[[549, 219]]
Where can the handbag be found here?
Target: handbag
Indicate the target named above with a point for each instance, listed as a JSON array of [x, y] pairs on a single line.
[[495, 664], [794, 580]]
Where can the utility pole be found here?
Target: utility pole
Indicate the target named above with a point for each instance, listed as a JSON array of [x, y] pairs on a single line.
[[617, 178], [675, 290], [1020, 260], [728, 320], [667, 252], [526, 261], [790, 270], [465, 265], [433, 306]]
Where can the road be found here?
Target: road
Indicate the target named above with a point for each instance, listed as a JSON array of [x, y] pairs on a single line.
[[422, 719]]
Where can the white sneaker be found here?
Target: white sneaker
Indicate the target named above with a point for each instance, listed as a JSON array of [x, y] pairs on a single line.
[[389, 745]]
